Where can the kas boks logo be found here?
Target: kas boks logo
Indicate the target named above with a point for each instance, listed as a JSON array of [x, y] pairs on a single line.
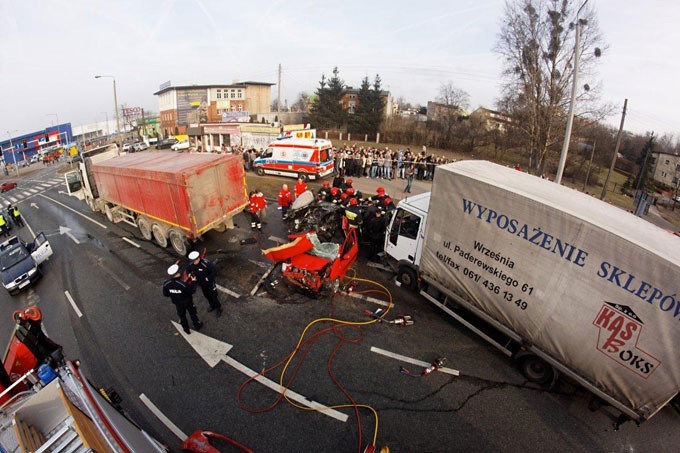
[[620, 330]]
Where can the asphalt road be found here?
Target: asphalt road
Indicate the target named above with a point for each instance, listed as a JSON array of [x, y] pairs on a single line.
[[125, 339]]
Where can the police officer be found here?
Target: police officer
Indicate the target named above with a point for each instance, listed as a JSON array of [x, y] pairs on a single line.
[[204, 271], [14, 213], [3, 225], [181, 294]]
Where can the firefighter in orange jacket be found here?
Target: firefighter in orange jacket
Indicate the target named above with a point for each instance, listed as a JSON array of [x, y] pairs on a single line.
[[255, 221], [285, 200], [300, 187]]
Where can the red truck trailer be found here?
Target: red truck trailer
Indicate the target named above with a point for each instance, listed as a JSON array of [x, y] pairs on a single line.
[[172, 198]]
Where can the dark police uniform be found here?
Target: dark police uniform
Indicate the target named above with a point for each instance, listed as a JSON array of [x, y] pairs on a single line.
[[205, 272], [181, 294]]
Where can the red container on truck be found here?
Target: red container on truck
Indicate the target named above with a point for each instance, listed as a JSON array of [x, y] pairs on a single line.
[[170, 197]]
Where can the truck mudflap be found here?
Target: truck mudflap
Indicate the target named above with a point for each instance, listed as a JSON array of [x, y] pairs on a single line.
[[533, 349]]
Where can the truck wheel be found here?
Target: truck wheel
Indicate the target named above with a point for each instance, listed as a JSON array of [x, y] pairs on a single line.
[[303, 176], [407, 277], [536, 370], [178, 241], [159, 235], [260, 171], [144, 228]]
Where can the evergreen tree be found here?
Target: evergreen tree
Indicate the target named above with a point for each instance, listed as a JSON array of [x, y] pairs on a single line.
[[646, 163], [377, 105], [327, 111], [360, 121]]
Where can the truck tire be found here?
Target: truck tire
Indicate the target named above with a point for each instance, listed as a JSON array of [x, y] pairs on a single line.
[[536, 370], [178, 241], [145, 228], [408, 278], [260, 171], [303, 176], [159, 235]]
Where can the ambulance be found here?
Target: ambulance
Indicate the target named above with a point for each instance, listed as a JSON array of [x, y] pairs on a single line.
[[297, 158]]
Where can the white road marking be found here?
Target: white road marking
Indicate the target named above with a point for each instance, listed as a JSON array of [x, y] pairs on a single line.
[[44, 186], [368, 299], [413, 361], [13, 200], [73, 304], [228, 291], [289, 393], [29, 228], [266, 274], [73, 210], [131, 242], [161, 416], [33, 190]]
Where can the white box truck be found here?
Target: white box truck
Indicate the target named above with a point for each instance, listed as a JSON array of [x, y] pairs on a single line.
[[555, 278]]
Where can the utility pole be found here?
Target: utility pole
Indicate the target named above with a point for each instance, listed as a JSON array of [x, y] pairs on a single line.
[[278, 96], [590, 163], [616, 150], [574, 87]]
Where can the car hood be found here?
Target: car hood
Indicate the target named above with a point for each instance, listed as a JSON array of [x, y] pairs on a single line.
[[20, 268]]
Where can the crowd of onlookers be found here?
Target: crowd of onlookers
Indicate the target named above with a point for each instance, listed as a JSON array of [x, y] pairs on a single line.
[[386, 163], [369, 162]]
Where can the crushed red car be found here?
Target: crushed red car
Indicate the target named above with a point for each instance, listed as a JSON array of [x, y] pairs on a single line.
[[312, 266]]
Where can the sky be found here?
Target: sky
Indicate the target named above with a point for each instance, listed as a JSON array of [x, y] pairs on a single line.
[[50, 52]]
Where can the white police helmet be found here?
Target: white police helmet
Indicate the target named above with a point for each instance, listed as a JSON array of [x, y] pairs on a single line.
[[172, 270]]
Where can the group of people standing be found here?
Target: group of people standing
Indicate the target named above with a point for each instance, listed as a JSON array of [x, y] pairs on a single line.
[[386, 163], [11, 214], [180, 288]]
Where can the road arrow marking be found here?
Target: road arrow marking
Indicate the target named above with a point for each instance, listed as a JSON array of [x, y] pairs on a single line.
[[35, 206], [213, 351], [406, 359], [62, 192], [67, 232]]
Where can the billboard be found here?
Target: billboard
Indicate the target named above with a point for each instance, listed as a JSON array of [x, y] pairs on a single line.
[[189, 101]]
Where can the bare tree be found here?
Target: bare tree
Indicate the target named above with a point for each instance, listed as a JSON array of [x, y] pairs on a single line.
[[536, 42], [302, 102], [453, 96]]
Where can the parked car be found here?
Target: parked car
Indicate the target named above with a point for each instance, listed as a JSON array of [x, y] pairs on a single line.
[[35, 159], [153, 141], [127, 147], [140, 146], [76, 158], [20, 261], [181, 146], [165, 144], [5, 186]]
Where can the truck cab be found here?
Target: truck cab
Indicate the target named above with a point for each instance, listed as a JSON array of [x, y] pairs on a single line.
[[405, 237]]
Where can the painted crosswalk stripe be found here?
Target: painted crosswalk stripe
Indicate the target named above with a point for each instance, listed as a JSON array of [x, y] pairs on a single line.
[[33, 190], [12, 199], [44, 186]]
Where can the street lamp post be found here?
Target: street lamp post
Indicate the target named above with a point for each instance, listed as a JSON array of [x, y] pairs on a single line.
[[107, 124], [570, 117], [11, 147], [115, 100]]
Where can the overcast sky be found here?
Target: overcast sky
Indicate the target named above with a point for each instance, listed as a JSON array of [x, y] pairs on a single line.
[[51, 50]]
